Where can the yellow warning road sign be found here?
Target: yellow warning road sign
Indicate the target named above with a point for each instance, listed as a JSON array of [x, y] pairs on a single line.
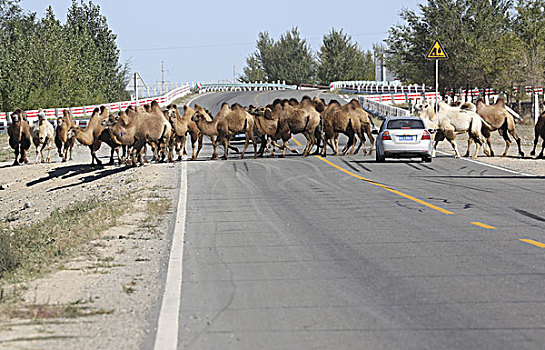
[[437, 52]]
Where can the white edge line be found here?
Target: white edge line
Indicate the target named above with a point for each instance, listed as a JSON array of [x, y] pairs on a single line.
[[167, 326], [488, 165]]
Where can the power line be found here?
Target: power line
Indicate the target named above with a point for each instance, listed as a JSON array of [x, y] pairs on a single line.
[[227, 45]]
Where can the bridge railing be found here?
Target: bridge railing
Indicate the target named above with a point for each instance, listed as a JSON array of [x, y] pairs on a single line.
[[381, 110], [85, 111], [261, 86], [378, 87]]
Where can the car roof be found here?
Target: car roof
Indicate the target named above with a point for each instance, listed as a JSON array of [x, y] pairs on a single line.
[[408, 117]]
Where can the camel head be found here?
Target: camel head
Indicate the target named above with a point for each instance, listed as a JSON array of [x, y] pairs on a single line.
[[110, 121], [197, 116], [425, 110], [42, 131], [205, 112], [18, 115], [73, 131]]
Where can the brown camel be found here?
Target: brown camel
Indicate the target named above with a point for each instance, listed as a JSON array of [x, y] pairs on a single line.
[[64, 140], [267, 127], [42, 133], [210, 129], [19, 136], [498, 118], [93, 135], [237, 121], [338, 119], [366, 124], [183, 124], [136, 128]]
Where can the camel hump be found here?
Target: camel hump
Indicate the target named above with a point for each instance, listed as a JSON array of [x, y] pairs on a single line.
[[500, 103], [155, 105], [96, 110], [102, 109]]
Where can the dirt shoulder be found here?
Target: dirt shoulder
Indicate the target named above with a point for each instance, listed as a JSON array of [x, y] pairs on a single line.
[[100, 295], [102, 292]]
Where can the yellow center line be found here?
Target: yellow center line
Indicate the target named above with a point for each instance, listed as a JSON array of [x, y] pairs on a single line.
[[404, 195], [480, 224], [531, 241]]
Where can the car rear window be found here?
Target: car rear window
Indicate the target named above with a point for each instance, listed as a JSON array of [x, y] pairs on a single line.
[[405, 124]]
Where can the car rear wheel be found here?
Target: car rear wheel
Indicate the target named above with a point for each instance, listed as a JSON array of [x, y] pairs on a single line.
[[426, 159], [379, 158]]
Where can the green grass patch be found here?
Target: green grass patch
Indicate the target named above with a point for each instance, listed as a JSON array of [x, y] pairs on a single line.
[[26, 252]]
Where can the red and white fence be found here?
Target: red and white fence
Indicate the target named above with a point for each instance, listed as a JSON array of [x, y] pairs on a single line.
[[85, 111]]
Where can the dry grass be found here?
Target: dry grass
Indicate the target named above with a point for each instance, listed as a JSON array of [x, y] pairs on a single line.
[[28, 251]]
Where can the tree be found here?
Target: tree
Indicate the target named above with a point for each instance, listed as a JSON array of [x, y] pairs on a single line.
[[47, 64], [529, 27], [88, 25], [289, 58], [471, 31], [341, 59]]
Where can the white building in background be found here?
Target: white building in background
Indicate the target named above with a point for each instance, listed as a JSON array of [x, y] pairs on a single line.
[[381, 72]]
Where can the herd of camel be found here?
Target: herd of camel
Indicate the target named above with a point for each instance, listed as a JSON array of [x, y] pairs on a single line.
[[321, 123]]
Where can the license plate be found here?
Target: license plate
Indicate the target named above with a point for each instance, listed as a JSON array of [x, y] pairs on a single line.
[[406, 138]]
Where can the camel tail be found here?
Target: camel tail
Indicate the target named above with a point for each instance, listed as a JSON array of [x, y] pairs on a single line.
[[306, 122], [164, 131]]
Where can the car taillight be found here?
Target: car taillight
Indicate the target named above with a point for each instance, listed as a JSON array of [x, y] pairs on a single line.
[[386, 136], [426, 135]]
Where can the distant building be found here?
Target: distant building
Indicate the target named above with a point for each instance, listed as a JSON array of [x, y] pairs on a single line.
[[381, 72]]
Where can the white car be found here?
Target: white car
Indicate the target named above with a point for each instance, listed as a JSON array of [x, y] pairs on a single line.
[[404, 137]]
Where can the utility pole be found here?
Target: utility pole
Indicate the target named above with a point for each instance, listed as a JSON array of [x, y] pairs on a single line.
[[162, 76], [234, 73]]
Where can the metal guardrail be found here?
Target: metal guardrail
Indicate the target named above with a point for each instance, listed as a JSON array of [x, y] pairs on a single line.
[[78, 112], [381, 110], [378, 87], [219, 87]]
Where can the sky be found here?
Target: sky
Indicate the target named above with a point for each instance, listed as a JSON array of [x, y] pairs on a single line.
[[206, 41]]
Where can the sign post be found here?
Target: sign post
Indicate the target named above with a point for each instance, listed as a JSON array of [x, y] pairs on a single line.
[[436, 52]]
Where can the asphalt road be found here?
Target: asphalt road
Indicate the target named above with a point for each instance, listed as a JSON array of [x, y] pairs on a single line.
[[344, 253]]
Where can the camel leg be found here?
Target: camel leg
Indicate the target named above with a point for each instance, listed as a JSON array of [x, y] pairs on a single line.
[[284, 146], [513, 133], [201, 135], [542, 148], [226, 148], [351, 142], [181, 150], [255, 146], [42, 155], [37, 155], [194, 138], [455, 147], [48, 159], [264, 143], [246, 143], [112, 150], [536, 139], [478, 144], [469, 142]]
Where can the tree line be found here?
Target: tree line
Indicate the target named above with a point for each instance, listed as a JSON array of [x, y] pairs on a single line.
[[45, 63], [490, 43], [291, 59]]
